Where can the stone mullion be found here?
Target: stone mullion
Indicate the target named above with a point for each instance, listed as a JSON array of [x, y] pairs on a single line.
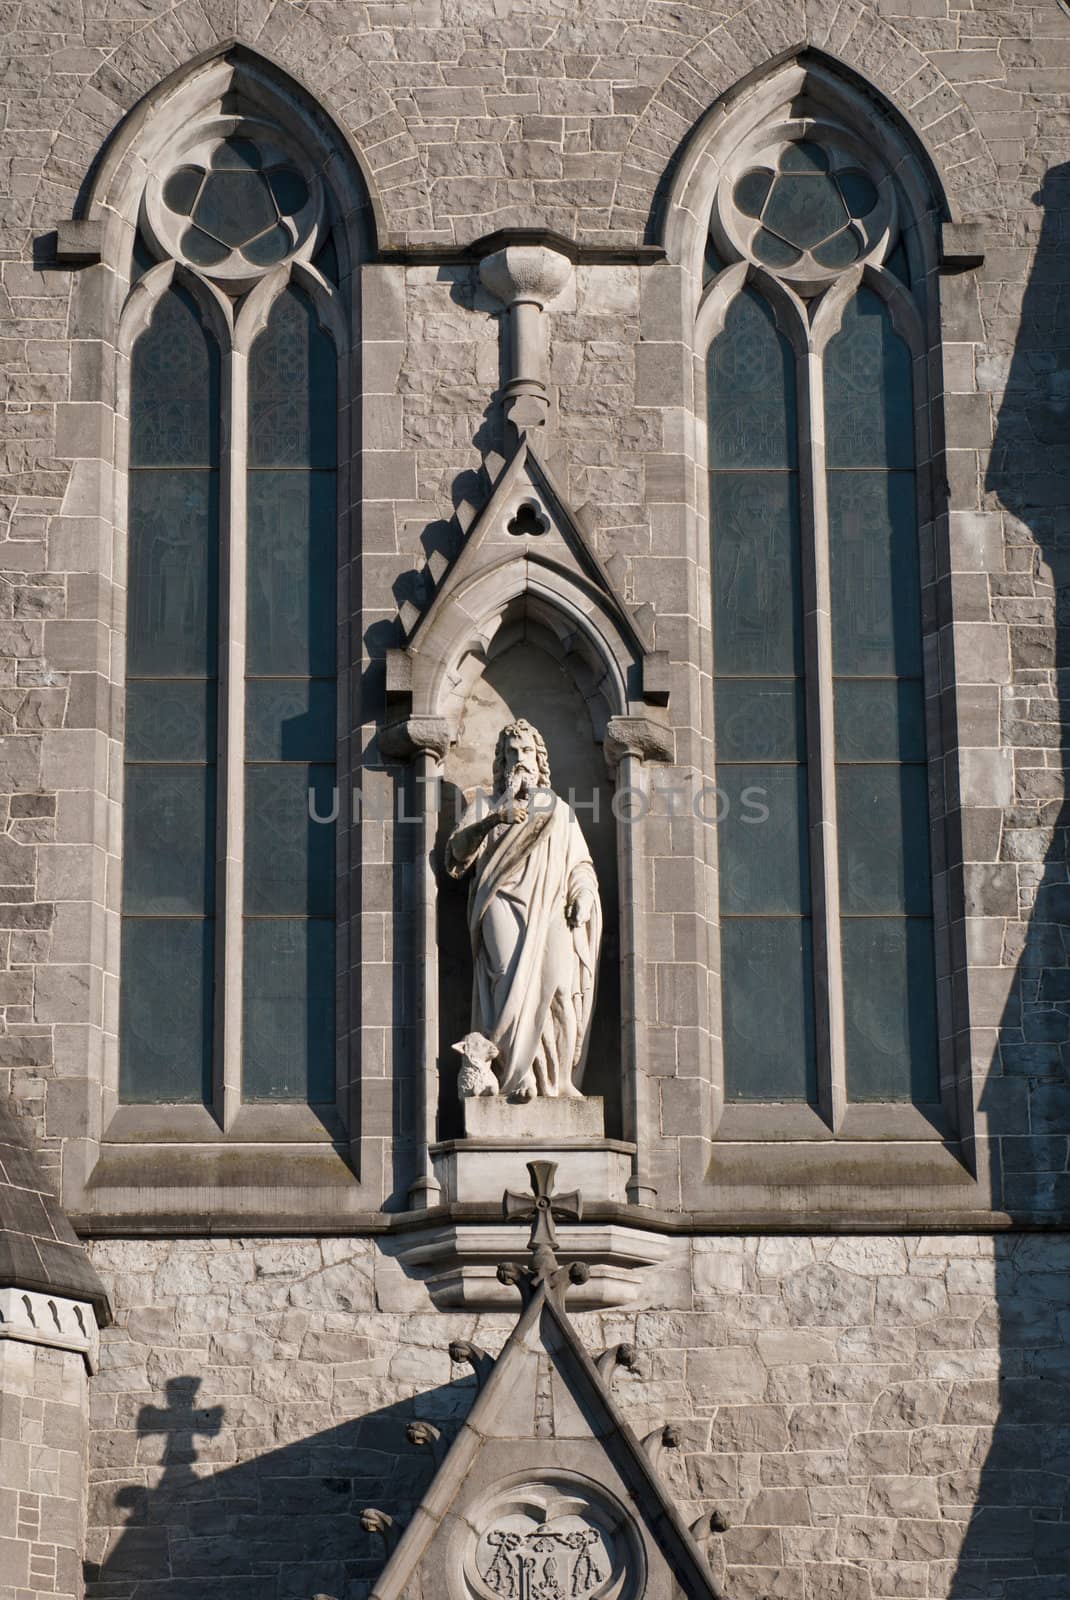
[[820, 746], [230, 835]]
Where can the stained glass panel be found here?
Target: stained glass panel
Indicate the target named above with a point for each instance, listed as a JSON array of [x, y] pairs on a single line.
[[169, 807], [759, 719], [290, 719], [768, 1019], [757, 584], [170, 720], [174, 389], [165, 1009], [293, 418], [880, 719], [890, 1009], [884, 846], [289, 855], [876, 581], [869, 404], [751, 390], [173, 574], [168, 839], [289, 1010], [290, 710], [762, 839]]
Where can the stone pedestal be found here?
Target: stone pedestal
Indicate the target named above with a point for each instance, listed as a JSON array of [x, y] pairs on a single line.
[[501, 1136]]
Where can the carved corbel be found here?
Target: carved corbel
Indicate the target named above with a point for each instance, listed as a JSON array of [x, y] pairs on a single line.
[[618, 1355], [706, 1529], [462, 1350], [382, 1523], [664, 1438], [526, 278]]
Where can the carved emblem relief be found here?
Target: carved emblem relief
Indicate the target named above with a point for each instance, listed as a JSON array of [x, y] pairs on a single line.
[[553, 1537]]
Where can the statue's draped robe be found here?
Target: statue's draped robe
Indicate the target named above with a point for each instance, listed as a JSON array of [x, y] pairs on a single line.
[[534, 985]]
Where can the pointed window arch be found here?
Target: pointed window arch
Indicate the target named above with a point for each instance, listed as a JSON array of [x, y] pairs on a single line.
[[817, 297], [237, 330]]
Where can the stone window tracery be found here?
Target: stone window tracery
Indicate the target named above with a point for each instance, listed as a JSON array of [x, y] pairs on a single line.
[[235, 336]]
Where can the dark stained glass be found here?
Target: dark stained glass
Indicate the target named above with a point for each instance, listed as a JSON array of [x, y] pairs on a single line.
[[182, 188], [169, 719], [880, 719], [236, 205], [805, 210], [168, 839], [752, 191], [288, 1047], [804, 206], [751, 390], [876, 594], [174, 383], [290, 719], [761, 803], [869, 402], [759, 719], [172, 579], [884, 839], [761, 839], [288, 1034], [775, 251], [293, 419], [890, 1009], [839, 251], [169, 810], [269, 247], [289, 853], [165, 1009], [768, 1014], [882, 777], [292, 542], [757, 600], [289, 188]]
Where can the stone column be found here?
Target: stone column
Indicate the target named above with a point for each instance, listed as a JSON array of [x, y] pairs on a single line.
[[525, 278], [423, 741], [631, 742], [48, 1347]]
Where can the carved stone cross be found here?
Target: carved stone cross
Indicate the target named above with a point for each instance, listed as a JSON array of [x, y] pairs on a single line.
[[542, 1206]]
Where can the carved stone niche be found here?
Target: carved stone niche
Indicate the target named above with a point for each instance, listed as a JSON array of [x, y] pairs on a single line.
[[528, 623]]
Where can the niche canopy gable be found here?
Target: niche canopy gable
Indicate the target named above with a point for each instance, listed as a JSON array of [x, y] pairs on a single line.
[[527, 551]]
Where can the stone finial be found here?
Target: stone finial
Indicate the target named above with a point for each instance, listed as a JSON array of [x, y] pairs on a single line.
[[481, 1363], [618, 1355], [373, 1520], [663, 1438], [526, 278]]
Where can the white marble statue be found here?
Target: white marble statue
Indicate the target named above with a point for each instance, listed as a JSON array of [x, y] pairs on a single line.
[[535, 921]]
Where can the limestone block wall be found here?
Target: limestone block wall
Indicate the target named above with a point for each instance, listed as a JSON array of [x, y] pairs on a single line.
[[44, 1431], [876, 1417]]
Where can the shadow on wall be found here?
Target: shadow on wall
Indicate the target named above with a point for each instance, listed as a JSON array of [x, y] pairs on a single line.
[[1014, 1463], [283, 1526]]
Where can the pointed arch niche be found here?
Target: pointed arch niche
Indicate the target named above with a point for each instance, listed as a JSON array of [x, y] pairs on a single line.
[[808, 218], [224, 226], [529, 623]]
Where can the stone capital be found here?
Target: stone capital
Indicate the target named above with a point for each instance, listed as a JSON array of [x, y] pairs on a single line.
[[641, 737], [533, 274], [415, 736]]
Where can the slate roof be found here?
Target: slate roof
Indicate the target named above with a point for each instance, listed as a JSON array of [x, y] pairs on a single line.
[[39, 1249]]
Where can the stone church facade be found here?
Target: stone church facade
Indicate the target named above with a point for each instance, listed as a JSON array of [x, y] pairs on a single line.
[[690, 381]]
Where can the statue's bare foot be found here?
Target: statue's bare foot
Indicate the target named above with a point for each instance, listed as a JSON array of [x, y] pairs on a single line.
[[526, 1089], [570, 1092]]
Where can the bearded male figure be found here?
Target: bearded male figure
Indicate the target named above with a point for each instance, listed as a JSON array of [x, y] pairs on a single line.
[[534, 918]]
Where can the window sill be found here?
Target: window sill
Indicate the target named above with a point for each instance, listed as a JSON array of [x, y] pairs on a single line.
[[789, 1123], [254, 1124]]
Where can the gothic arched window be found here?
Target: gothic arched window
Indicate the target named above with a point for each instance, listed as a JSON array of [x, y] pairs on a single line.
[[235, 328], [816, 409]]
